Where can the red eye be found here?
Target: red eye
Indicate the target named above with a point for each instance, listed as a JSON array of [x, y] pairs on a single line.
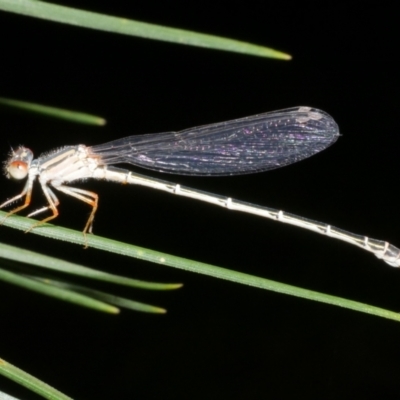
[[18, 169]]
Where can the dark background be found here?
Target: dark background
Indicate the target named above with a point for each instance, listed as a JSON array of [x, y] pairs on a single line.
[[219, 339]]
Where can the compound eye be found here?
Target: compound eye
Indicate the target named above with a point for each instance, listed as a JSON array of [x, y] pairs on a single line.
[[17, 170]]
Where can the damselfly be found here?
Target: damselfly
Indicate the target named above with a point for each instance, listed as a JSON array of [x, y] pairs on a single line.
[[242, 146]]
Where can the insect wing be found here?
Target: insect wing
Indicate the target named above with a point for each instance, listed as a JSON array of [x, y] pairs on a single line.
[[242, 146]]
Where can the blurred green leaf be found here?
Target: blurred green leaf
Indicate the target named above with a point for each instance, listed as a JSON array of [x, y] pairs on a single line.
[[100, 301], [54, 112], [87, 19], [56, 292], [30, 382], [55, 264], [108, 298]]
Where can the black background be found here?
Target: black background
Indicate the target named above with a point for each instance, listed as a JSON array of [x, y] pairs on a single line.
[[219, 339]]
